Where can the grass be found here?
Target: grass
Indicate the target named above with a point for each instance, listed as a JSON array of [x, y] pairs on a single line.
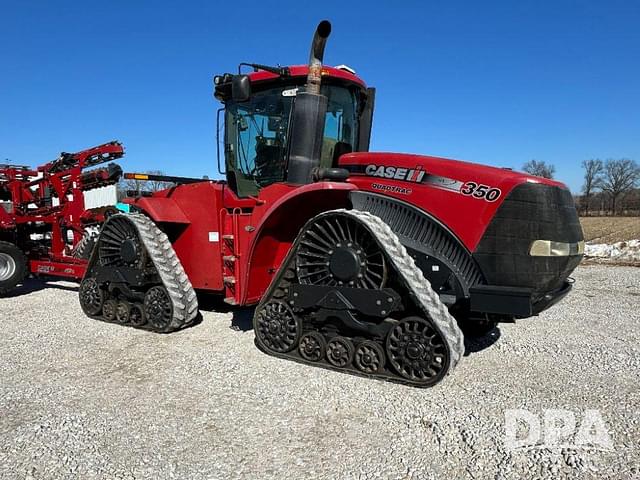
[[610, 229]]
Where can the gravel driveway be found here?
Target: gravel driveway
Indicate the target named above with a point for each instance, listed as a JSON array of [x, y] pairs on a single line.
[[84, 399]]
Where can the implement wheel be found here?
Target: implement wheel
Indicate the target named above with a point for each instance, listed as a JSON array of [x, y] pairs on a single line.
[[13, 267]]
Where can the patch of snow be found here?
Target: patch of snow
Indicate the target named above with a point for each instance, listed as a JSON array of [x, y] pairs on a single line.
[[629, 250]]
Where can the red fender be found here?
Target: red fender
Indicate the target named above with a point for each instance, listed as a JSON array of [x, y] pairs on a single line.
[[280, 225]]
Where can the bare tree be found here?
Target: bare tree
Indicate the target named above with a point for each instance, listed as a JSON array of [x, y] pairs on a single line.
[[539, 169], [593, 170], [620, 176]]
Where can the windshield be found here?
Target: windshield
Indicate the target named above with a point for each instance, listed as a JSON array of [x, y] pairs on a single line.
[[256, 134]]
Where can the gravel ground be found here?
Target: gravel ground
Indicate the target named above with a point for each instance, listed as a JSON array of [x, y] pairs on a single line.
[[84, 399]]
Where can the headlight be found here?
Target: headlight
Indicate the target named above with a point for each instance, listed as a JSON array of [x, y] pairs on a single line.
[[549, 248]]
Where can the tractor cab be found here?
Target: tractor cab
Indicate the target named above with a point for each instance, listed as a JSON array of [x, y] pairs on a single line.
[[259, 121]]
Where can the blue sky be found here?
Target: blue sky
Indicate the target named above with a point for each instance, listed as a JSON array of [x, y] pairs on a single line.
[[490, 82]]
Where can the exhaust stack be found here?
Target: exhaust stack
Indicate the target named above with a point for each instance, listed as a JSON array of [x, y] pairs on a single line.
[[316, 56], [308, 116]]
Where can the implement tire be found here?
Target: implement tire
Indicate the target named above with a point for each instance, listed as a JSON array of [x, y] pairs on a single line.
[[13, 267]]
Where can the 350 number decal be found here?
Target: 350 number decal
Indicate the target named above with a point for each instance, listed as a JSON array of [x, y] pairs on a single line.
[[478, 190]]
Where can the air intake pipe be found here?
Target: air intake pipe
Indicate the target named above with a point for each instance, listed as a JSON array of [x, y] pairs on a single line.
[[308, 116]]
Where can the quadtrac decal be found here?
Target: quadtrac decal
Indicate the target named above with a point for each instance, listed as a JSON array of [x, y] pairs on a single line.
[[391, 188], [470, 188]]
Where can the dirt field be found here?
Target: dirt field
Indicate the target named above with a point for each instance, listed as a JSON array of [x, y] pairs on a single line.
[[610, 229]]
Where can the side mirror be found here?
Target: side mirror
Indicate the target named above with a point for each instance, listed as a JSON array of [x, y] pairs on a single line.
[[240, 88]]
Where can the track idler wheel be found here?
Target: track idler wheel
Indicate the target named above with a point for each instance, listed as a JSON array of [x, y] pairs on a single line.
[[158, 308], [109, 310], [91, 297], [369, 357], [416, 351], [278, 328], [312, 346], [340, 352]]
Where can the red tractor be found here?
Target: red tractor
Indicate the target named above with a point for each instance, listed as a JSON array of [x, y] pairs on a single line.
[[45, 227], [367, 263]]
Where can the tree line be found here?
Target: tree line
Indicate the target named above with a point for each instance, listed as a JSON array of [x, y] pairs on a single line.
[[130, 187], [610, 187]]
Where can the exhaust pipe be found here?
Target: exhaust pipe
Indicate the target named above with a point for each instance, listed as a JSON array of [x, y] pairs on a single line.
[[316, 56], [308, 116]]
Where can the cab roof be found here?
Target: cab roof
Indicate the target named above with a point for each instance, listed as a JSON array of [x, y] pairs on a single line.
[[303, 70]]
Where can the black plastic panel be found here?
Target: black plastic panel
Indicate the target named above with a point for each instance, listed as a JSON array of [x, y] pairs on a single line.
[[424, 235]]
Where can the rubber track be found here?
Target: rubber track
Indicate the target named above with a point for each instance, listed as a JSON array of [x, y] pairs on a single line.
[[85, 246], [166, 262], [421, 290]]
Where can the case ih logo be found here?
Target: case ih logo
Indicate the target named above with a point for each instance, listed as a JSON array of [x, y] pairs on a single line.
[[414, 175]]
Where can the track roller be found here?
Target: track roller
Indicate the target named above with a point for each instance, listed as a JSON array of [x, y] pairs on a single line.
[[109, 310], [123, 312], [137, 316], [369, 357], [312, 346], [340, 352]]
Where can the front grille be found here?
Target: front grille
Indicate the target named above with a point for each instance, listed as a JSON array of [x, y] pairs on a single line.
[[530, 212]]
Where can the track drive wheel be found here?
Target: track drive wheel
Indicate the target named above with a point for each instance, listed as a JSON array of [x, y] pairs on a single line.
[[91, 297], [13, 267], [119, 245], [339, 251], [158, 308]]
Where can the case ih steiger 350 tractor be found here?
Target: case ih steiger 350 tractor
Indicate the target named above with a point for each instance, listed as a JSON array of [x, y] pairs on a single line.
[[368, 263], [45, 227]]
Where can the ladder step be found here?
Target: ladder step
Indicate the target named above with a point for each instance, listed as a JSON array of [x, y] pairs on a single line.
[[230, 301], [228, 237], [229, 280], [229, 258]]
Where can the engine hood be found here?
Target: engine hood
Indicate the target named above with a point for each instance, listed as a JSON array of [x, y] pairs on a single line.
[[464, 196]]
